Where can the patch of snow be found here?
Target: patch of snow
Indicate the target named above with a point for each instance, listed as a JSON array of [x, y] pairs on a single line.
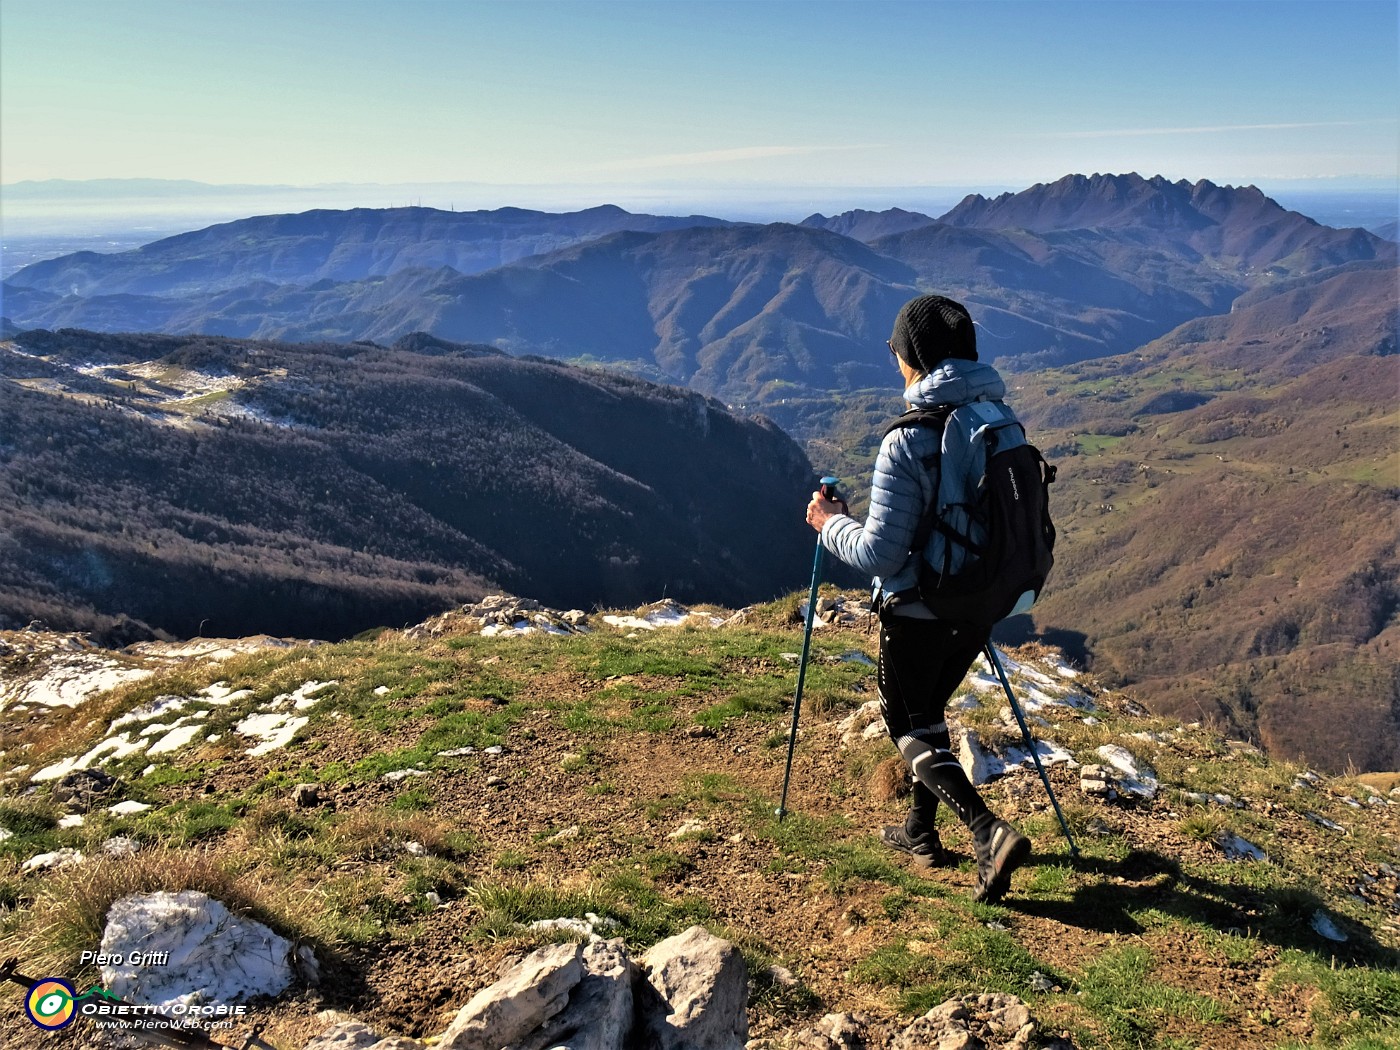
[[68, 680], [539, 625], [6, 833], [1318, 818], [222, 694], [1237, 848], [1034, 690], [214, 650], [121, 846], [156, 728], [274, 728], [161, 705], [689, 827], [305, 694], [1134, 779], [403, 774], [71, 820], [855, 656], [213, 956], [1047, 751], [129, 808], [585, 927], [111, 748], [500, 630], [664, 614], [45, 861], [1220, 800], [1323, 926]]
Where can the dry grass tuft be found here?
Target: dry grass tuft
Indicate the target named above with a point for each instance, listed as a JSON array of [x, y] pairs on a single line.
[[890, 781], [1381, 782], [70, 906], [371, 835]]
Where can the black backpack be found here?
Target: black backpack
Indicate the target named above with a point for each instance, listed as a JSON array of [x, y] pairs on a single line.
[[987, 538]]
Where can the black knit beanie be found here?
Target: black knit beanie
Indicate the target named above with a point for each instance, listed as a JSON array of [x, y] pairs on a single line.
[[932, 328]]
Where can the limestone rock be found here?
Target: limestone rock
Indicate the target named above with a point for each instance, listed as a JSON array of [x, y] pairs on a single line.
[[851, 728], [525, 998], [971, 1022], [345, 1035], [222, 957], [695, 994], [599, 1013], [833, 1032], [306, 795], [980, 764]]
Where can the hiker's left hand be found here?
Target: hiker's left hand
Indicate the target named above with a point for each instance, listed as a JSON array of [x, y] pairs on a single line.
[[821, 510]]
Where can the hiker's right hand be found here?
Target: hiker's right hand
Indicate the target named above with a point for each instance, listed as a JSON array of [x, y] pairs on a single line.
[[821, 510]]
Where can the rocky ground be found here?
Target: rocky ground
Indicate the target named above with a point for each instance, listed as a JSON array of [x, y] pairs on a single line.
[[407, 806]]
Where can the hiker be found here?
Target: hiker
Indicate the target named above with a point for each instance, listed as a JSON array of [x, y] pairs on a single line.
[[922, 658]]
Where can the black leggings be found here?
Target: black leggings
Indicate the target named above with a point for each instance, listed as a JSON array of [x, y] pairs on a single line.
[[922, 663]]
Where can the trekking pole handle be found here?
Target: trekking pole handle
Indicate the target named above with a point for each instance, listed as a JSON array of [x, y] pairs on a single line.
[[829, 492]]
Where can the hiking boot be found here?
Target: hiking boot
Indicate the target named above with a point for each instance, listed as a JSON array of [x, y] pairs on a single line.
[[1003, 851], [925, 850]]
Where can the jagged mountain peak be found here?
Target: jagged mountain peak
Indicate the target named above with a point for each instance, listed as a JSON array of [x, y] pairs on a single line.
[[1107, 200]]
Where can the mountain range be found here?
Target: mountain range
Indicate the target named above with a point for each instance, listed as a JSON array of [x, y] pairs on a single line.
[[1081, 268], [1202, 364]]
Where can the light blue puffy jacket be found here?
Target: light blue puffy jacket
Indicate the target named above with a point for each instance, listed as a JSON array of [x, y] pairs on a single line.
[[904, 483]]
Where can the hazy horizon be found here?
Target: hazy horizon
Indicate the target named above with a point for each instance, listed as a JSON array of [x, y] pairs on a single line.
[[650, 95], [95, 207]]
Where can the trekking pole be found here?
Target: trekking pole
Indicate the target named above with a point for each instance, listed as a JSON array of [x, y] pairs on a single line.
[[828, 491], [1026, 732]]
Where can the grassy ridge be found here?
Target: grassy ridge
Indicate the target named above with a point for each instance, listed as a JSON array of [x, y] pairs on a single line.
[[636, 781]]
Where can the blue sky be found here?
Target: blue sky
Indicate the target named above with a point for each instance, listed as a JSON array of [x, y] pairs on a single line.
[[641, 94]]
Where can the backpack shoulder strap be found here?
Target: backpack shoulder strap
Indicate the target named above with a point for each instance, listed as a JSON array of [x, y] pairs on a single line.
[[935, 418], [917, 417]]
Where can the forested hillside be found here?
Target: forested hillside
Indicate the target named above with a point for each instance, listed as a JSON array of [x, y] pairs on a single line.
[[234, 487]]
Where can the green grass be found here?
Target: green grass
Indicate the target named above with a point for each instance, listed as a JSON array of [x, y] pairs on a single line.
[[1360, 1006], [1119, 991], [187, 822]]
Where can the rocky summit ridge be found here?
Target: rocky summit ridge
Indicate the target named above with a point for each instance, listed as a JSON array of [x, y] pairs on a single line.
[[512, 825]]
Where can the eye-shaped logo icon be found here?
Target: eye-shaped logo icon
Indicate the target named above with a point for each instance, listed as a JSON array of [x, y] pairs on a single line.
[[50, 1004]]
